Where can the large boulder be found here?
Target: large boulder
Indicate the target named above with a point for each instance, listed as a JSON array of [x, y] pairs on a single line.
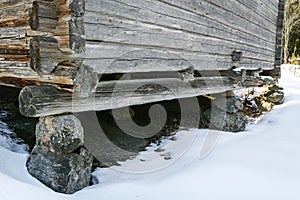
[[221, 120], [60, 134], [229, 104], [62, 173]]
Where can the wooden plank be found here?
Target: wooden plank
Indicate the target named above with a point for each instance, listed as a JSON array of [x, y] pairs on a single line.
[[13, 32], [38, 101]]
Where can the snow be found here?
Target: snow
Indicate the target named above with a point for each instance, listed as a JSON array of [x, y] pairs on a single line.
[[6, 137], [261, 163]]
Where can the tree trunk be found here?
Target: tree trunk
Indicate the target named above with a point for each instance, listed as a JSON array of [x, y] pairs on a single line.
[[286, 46]]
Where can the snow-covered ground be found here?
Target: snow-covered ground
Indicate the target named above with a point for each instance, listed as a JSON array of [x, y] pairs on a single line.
[[262, 163]]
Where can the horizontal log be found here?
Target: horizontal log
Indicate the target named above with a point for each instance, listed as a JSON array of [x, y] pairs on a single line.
[[198, 17], [202, 33], [78, 38], [16, 15], [75, 78], [109, 58], [22, 75], [9, 3], [101, 27], [46, 100]]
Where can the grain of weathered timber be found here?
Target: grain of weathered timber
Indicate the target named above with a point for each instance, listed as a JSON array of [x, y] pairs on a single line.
[[8, 3], [111, 58], [72, 40], [202, 12], [14, 22], [45, 55], [77, 7], [16, 15], [72, 77], [36, 39], [203, 33], [45, 31], [45, 100], [44, 16], [70, 26], [76, 34], [124, 32], [86, 81], [21, 76]]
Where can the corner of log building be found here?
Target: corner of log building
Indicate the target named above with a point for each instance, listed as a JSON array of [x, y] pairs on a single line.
[[37, 39]]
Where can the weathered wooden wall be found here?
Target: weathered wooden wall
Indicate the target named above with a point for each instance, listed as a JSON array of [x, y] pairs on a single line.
[[74, 44], [36, 41], [130, 36]]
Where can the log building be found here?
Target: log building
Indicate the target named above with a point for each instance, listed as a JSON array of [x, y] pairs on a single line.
[[71, 56], [68, 50]]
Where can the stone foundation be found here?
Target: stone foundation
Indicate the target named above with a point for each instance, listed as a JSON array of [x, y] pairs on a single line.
[[58, 159]]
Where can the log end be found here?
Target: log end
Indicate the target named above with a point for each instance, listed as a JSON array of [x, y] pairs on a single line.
[[25, 103], [86, 82]]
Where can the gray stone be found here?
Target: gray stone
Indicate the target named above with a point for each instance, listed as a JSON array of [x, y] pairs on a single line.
[[229, 104], [263, 105], [275, 97], [252, 108], [275, 88], [59, 134], [269, 81], [221, 120], [62, 173]]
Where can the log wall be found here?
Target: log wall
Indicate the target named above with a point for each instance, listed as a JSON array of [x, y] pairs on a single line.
[[36, 41], [74, 44], [131, 36]]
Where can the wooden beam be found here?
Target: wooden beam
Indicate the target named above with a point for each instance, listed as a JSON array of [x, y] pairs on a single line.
[[71, 77], [46, 100]]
